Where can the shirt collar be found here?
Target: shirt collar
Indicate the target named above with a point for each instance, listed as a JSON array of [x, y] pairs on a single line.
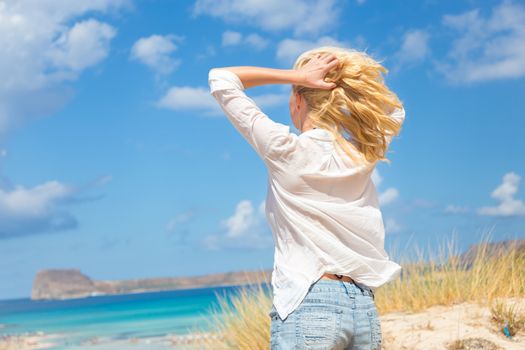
[[318, 133]]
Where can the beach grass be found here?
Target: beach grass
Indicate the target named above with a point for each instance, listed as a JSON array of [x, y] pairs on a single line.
[[508, 318], [445, 278], [240, 321]]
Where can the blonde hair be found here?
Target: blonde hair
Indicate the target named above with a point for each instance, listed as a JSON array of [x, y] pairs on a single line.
[[359, 105]]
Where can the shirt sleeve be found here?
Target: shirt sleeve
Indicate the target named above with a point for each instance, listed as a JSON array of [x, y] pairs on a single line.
[[262, 133], [399, 116]]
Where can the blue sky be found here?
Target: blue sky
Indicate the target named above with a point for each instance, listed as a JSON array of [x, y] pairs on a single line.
[[114, 158]]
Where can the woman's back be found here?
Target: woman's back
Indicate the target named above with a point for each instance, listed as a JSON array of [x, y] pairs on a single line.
[[324, 213], [319, 170]]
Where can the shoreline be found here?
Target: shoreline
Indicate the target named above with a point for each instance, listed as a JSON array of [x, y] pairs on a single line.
[[26, 341], [40, 340]]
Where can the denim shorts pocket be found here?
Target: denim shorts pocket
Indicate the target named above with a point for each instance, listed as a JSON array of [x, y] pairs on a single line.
[[318, 325], [375, 327]]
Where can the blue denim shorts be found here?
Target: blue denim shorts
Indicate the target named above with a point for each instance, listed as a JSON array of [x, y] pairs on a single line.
[[333, 315]]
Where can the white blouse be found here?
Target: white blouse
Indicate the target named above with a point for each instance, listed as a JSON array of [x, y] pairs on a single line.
[[323, 210]]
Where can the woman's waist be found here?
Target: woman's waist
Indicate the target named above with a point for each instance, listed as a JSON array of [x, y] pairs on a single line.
[[327, 283], [334, 276]]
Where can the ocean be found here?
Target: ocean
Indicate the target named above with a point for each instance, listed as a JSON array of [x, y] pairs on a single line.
[[108, 322]]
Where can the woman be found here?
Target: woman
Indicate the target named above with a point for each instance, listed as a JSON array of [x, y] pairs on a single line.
[[321, 203]]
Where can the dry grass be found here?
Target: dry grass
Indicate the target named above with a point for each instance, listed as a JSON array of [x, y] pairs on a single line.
[[446, 280], [511, 316], [243, 320], [474, 344]]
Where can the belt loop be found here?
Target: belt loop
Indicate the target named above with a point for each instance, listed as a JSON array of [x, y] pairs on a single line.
[[348, 291], [361, 289]]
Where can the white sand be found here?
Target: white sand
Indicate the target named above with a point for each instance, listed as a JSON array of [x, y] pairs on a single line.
[[43, 341], [34, 341], [438, 326]]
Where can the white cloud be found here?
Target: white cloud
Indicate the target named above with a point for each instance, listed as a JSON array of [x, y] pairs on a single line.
[[504, 193], [304, 17], [387, 196], [180, 98], [35, 201], [392, 226], [41, 209], [271, 100], [82, 46], [231, 38], [414, 47], [241, 221], [289, 49], [44, 44], [508, 188], [246, 228], [156, 52], [26, 211], [262, 208], [256, 41], [189, 98], [486, 48]]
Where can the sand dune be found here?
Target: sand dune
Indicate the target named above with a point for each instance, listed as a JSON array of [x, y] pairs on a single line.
[[438, 326]]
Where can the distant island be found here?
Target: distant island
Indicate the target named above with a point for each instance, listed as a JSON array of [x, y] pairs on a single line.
[[53, 284], [71, 283]]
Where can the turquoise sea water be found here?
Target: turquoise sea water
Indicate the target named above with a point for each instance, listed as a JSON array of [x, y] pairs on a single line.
[[115, 319]]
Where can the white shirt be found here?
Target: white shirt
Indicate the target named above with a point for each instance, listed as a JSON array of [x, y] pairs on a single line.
[[322, 209]]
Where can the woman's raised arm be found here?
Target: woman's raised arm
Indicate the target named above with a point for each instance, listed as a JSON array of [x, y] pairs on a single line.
[[251, 76], [252, 123], [312, 74]]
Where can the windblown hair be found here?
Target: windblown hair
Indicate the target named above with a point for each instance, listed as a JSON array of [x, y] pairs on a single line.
[[359, 105]]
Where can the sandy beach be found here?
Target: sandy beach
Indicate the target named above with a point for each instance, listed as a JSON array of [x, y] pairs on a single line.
[[438, 326], [435, 328], [44, 341], [38, 340]]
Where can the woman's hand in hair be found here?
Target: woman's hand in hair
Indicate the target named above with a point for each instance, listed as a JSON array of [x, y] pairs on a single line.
[[315, 70]]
